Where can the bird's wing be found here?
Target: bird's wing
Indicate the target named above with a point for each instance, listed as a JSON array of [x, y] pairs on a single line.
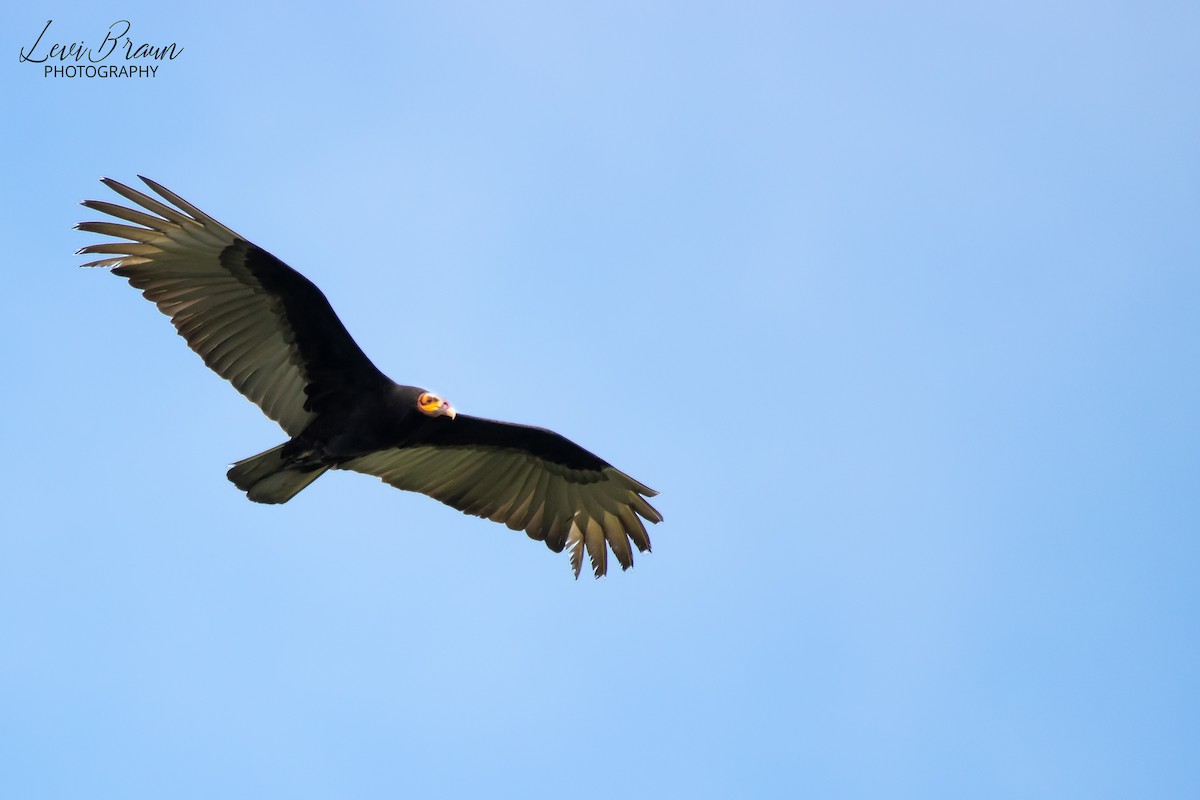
[[253, 319], [530, 479]]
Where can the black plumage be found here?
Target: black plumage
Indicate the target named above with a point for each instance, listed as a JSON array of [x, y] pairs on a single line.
[[270, 332]]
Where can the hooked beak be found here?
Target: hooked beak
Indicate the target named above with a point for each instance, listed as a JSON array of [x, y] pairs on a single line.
[[448, 410]]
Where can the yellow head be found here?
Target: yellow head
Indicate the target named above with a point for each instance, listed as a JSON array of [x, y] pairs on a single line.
[[432, 405]]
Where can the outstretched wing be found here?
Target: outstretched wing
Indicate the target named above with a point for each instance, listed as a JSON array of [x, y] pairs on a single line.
[[530, 479], [253, 319]]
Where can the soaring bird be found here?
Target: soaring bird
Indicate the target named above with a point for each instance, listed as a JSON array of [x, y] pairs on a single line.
[[270, 332]]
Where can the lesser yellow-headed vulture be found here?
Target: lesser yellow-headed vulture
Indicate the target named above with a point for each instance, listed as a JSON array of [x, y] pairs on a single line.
[[271, 333]]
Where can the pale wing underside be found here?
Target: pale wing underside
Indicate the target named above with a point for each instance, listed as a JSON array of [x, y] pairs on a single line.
[[182, 260], [564, 507]]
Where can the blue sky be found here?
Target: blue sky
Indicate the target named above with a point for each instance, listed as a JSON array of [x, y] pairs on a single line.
[[896, 304]]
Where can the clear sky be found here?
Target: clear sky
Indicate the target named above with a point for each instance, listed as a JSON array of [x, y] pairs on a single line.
[[897, 304]]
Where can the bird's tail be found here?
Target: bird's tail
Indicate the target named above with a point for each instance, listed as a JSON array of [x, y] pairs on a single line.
[[267, 477]]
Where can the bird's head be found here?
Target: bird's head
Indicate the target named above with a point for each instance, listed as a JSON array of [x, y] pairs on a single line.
[[432, 405]]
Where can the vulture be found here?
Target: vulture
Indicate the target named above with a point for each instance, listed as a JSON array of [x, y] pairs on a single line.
[[270, 332]]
